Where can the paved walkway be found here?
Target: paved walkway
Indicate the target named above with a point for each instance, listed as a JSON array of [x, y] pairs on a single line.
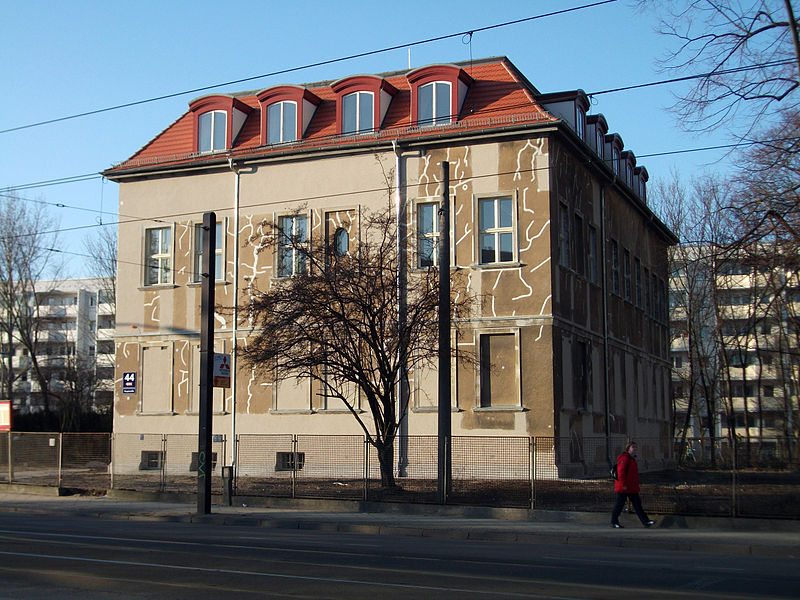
[[756, 537]]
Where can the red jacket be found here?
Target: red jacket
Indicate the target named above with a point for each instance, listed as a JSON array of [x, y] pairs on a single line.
[[627, 475]]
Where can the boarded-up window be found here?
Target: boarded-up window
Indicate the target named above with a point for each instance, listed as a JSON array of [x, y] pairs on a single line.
[[426, 388], [498, 370], [156, 379], [294, 394]]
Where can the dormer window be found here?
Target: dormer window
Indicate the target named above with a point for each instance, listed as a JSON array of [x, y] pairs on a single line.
[[211, 129], [286, 111], [434, 101], [361, 103], [358, 112], [437, 93], [596, 129], [580, 122], [613, 153], [281, 122], [217, 121]]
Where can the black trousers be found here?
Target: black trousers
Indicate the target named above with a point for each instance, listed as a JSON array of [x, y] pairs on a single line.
[[637, 506]]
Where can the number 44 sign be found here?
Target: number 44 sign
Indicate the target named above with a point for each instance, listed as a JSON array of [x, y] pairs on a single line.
[[129, 382]]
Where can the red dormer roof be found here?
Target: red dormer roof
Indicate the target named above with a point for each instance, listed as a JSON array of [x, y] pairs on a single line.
[[497, 96]]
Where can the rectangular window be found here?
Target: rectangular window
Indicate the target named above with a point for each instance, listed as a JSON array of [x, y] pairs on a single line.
[[211, 131], [579, 255], [433, 103], [427, 234], [357, 112], [626, 271], [281, 122], [614, 267], [637, 277], [151, 460], [496, 232], [158, 256], [290, 461], [563, 236], [654, 290], [580, 122], [594, 275], [193, 462], [292, 246], [647, 293], [498, 370], [197, 271]]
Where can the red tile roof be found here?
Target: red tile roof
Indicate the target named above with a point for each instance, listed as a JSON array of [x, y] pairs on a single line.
[[499, 96]]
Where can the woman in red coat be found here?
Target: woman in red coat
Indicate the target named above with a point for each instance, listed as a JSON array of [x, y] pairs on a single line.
[[627, 486]]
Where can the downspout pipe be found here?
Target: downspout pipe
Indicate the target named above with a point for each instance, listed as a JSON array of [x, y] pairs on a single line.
[[606, 349], [235, 168], [402, 306]]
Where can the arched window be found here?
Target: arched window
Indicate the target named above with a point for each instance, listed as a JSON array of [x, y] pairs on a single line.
[[358, 112], [281, 122], [434, 103], [211, 129], [341, 242]]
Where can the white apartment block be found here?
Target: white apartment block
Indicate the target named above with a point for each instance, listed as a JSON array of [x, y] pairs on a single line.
[[76, 322]]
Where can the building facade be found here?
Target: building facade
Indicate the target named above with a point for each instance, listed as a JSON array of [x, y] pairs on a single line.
[[735, 346], [74, 340], [549, 221]]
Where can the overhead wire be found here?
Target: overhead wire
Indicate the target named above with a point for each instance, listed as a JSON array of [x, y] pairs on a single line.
[[307, 66]]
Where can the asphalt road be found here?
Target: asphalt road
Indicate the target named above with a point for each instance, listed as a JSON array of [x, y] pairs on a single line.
[[64, 557]]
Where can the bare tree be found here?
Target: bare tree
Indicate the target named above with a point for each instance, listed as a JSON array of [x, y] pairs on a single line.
[[28, 241], [102, 250], [335, 322], [748, 51]]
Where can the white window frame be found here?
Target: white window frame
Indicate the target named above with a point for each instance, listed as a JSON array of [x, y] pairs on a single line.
[[197, 253], [283, 135], [205, 146], [496, 231], [164, 259], [359, 126], [299, 264], [436, 119], [432, 235]]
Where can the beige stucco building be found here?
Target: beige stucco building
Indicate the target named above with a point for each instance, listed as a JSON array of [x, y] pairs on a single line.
[[549, 219]]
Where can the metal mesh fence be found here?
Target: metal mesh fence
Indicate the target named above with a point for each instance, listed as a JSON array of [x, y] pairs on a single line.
[[491, 471], [85, 460], [761, 480], [180, 464], [264, 465], [138, 461], [329, 466], [34, 458], [414, 466]]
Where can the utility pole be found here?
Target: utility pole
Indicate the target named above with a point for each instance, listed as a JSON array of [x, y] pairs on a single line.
[[444, 467], [204, 462]]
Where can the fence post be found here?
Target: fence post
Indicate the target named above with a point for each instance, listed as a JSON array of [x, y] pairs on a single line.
[[294, 466], [59, 460], [10, 458], [733, 481], [235, 451], [366, 469], [111, 462], [532, 474], [163, 473]]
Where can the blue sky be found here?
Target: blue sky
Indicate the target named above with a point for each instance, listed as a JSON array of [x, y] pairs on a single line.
[[63, 58]]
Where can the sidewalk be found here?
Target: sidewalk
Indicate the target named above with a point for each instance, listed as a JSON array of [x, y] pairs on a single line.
[[755, 537]]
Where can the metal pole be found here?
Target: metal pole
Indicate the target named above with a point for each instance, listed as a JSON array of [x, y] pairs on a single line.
[[206, 365], [60, 458], [444, 469]]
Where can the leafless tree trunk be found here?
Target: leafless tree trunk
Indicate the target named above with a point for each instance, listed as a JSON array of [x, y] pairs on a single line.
[[28, 242]]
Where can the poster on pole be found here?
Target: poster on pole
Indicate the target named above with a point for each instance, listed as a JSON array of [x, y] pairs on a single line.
[[5, 415], [222, 370]]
